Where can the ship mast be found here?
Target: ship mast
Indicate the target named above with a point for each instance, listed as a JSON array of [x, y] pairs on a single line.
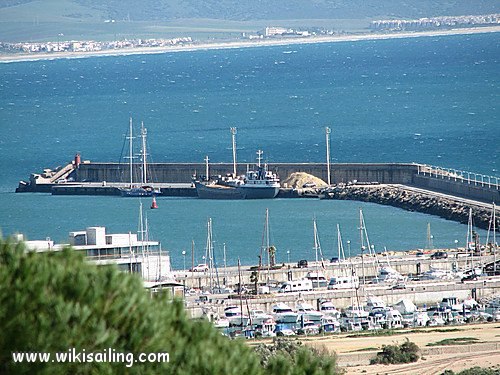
[[206, 169], [259, 157], [233, 136]]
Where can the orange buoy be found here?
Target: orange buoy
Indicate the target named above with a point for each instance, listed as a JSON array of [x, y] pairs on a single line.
[[153, 204]]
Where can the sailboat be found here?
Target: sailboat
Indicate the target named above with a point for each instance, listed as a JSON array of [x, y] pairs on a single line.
[[136, 189], [317, 278], [348, 278]]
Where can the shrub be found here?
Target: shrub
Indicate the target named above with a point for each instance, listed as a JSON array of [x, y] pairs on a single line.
[[291, 357], [391, 354]]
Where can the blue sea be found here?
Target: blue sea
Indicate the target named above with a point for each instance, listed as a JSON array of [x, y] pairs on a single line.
[[432, 100]]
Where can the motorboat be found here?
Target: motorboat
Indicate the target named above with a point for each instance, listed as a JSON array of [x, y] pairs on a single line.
[[235, 316], [328, 309], [258, 317], [318, 279], [307, 312], [389, 275], [283, 313]]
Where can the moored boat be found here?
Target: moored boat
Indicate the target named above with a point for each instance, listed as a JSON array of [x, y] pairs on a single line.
[[284, 314]]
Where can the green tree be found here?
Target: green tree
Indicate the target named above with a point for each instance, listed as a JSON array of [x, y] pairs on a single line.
[[55, 301], [52, 302]]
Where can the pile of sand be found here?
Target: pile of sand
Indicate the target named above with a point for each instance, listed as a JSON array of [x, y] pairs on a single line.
[[300, 180]]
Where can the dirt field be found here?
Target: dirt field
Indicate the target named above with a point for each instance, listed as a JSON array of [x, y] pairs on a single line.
[[485, 353]]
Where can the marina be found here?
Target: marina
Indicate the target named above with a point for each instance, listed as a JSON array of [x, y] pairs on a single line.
[[369, 218]]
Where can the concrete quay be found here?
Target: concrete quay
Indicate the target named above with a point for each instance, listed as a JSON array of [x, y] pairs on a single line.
[[419, 292], [404, 264]]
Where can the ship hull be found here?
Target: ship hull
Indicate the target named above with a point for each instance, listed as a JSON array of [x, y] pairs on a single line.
[[231, 192]]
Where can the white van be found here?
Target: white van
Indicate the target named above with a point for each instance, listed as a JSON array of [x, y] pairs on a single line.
[[296, 286], [343, 282]]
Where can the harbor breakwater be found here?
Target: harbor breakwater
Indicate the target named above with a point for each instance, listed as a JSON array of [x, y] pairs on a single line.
[[415, 200], [411, 186]]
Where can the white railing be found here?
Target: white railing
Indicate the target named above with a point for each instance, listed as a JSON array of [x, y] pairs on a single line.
[[465, 177]]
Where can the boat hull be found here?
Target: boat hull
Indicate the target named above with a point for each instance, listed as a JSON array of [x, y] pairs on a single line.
[[138, 192], [230, 192]]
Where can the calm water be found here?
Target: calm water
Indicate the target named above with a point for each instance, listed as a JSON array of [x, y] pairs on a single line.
[[429, 100]]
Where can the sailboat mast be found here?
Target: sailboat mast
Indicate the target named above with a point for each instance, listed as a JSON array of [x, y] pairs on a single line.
[[315, 231], [339, 242], [268, 250], [239, 291], [362, 244], [144, 153], [209, 251], [494, 241], [468, 246], [131, 151], [233, 136], [328, 131]]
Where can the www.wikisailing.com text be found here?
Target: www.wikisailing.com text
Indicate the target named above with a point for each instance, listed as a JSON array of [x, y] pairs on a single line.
[[82, 356]]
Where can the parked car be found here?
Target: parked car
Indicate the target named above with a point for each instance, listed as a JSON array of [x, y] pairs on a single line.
[[439, 255], [199, 268], [302, 263]]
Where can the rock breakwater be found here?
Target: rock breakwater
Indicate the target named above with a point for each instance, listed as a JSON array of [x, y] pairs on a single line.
[[399, 196]]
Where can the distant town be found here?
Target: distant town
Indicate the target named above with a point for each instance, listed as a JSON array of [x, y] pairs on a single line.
[[435, 23], [270, 32]]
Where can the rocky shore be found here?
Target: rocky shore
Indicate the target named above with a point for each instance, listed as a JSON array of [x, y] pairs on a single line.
[[399, 196]]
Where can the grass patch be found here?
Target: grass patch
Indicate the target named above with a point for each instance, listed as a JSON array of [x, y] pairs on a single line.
[[380, 332], [455, 341], [369, 349], [391, 332], [438, 330]]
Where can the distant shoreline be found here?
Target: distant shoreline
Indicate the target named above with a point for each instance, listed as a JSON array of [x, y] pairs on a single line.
[[11, 58]]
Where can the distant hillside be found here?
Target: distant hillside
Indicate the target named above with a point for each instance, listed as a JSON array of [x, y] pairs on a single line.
[[148, 10], [38, 20]]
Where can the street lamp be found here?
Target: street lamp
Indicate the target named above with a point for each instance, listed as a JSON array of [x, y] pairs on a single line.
[[288, 255], [349, 248], [184, 258], [456, 244]]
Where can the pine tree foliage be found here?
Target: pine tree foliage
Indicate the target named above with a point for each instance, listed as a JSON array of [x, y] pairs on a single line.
[[52, 302]]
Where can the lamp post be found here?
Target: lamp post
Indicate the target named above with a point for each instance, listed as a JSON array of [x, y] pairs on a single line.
[[184, 258], [288, 255], [349, 248]]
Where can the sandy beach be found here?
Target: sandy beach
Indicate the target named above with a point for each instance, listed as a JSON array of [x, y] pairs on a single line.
[[10, 58], [434, 359]]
